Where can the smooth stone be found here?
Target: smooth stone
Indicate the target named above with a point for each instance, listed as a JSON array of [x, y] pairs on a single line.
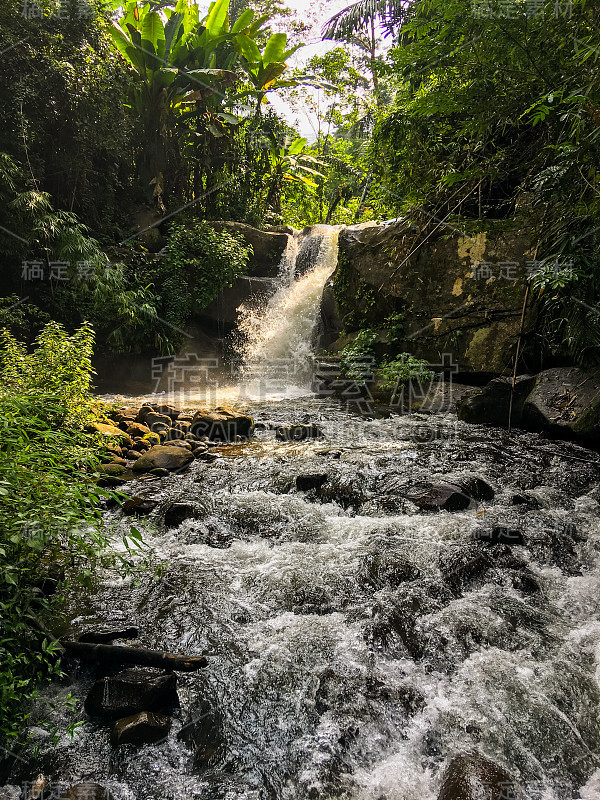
[[176, 513], [87, 791], [472, 777], [223, 424], [146, 727], [443, 496], [168, 456], [139, 505], [298, 433]]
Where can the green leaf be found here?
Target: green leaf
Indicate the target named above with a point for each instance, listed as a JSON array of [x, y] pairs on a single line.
[[297, 146], [217, 17], [275, 48], [248, 48], [243, 21]]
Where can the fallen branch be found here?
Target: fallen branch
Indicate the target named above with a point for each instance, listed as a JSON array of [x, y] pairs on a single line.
[[115, 654]]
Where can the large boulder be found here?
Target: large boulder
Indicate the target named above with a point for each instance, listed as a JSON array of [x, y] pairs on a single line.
[[565, 401], [472, 777], [442, 497], [223, 425], [131, 691], [490, 405], [460, 296], [163, 456], [146, 727]]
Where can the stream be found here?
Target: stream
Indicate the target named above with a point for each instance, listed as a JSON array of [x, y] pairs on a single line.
[[356, 643]]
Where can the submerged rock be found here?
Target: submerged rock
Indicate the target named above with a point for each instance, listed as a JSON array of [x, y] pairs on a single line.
[[500, 535], [203, 734], [87, 791], [298, 433], [131, 691], [443, 496], [305, 483], [176, 513], [461, 567], [147, 727], [473, 777], [139, 505], [163, 456]]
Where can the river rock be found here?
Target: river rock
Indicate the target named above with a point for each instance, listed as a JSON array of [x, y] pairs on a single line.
[[131, 691], [222, 425], [305, 483], [490, 405], [475, 487], [174, 434], [157, 422], [565, 401], [146, 727], [113, 468], [136, 429], [139, 506], [443, 496], [203, 734], [169, 411], [143, 413], [176, 513], [472, 777], [109, 431], [463, 566], [105, 635], [163, 456], [298, 433], [160, 472], [87, 791]]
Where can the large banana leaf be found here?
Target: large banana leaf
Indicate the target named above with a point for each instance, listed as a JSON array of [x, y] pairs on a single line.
[[217, 19], [275, 48]]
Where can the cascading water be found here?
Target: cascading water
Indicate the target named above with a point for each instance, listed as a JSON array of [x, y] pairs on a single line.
[[355, 642], [276, 340]]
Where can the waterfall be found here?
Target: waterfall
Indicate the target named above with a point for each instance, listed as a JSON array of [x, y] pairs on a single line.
[[276, 340]]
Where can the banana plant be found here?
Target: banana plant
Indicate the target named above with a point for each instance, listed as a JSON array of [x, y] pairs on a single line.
[[290, 162], [265, 70], [177, 62]]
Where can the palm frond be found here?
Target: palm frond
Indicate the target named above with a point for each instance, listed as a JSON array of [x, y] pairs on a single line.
[[347, 22]]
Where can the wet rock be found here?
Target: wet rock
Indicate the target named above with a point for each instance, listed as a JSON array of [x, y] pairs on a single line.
[[566, 401], [205, 456], [113, 468], [222, 425], [298, 433], [471, 776], [181, 443], [490, 405], [157, 422], [554, 543], [160, 472], [137, 429], [176, 513], [443, 496], [476, 488], [119, 460], [139, 506], [174, 434], [104, 635], [203, 734], [143, 413], [463, 566], [525, 500], [168, 457], [387, 569], [87, 791], [131, 691], [147, 727], [133, 455], [500, 535], [198, 451], [109, 431], [111, 481], [305, 483]]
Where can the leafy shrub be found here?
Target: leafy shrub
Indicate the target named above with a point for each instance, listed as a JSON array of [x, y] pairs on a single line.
[[199, 263], [60, 366], [358, 355], [403, 369]]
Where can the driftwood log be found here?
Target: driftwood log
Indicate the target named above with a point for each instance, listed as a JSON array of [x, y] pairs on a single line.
[[116, 654]]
